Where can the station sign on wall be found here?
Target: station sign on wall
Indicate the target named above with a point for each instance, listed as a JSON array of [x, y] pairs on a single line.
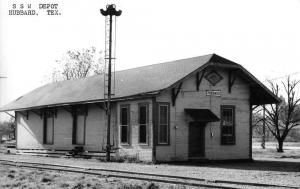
[[213, 92]]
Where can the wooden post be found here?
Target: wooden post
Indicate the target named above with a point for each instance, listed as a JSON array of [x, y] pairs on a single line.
[[263, 141], [74, 118], [154, 128], [250, 131]]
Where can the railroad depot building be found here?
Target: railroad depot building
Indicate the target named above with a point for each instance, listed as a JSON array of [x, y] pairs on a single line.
[[195, 108]]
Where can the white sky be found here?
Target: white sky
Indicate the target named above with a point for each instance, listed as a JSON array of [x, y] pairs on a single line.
[[261, 35]]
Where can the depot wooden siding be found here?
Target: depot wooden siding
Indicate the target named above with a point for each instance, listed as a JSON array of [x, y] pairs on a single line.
[[239, 97], [30, 132], [142, 152]]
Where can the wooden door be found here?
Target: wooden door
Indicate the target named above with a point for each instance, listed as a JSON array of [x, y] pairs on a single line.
[[196, 139]]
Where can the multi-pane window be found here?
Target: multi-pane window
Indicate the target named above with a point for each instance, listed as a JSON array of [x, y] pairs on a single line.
[[163, 123], [227, 125], [79, 124], [143, 123], [125, 124], [48, 121]]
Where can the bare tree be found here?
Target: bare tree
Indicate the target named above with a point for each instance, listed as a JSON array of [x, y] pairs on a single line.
[[78, 64], [281, 117]]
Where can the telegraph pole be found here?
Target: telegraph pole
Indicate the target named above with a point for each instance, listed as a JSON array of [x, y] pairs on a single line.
[[110, 12]]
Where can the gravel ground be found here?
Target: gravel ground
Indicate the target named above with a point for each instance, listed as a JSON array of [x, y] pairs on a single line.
[[16, 177], [262, 171]]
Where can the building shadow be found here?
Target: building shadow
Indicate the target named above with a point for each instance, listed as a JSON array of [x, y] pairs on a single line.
[[256, 165]]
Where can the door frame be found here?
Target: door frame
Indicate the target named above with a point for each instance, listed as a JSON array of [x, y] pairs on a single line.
[[203, 139]]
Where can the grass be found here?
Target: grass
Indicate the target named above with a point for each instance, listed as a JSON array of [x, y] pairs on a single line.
[[256, 142], [270, 152]]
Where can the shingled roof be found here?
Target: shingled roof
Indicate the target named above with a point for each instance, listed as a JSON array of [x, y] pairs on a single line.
[[136, 82]]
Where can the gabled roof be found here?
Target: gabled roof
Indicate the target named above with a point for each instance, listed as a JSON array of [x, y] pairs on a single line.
[[131, 83]]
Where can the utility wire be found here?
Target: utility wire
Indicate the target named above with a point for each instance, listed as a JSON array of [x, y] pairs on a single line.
[[281, 77]]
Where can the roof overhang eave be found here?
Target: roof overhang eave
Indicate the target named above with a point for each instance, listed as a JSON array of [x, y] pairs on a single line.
[[273, 99], [140, 95]]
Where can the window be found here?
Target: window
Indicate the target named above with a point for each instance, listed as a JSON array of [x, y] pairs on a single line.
[[124, 124], [227, 125], [143, 123], [163, 123], [48, 121], [79, 124]]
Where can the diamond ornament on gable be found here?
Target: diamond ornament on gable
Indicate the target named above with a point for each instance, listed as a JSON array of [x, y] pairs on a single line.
[[213, 77]]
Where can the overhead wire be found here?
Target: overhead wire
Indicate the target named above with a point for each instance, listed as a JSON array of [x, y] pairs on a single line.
[[281, 77]]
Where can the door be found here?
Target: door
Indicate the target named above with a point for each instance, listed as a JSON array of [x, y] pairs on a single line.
[[49, 130], [196, 139]]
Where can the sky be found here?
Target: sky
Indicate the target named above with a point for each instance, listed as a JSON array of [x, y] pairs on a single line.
[[261, 35]]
